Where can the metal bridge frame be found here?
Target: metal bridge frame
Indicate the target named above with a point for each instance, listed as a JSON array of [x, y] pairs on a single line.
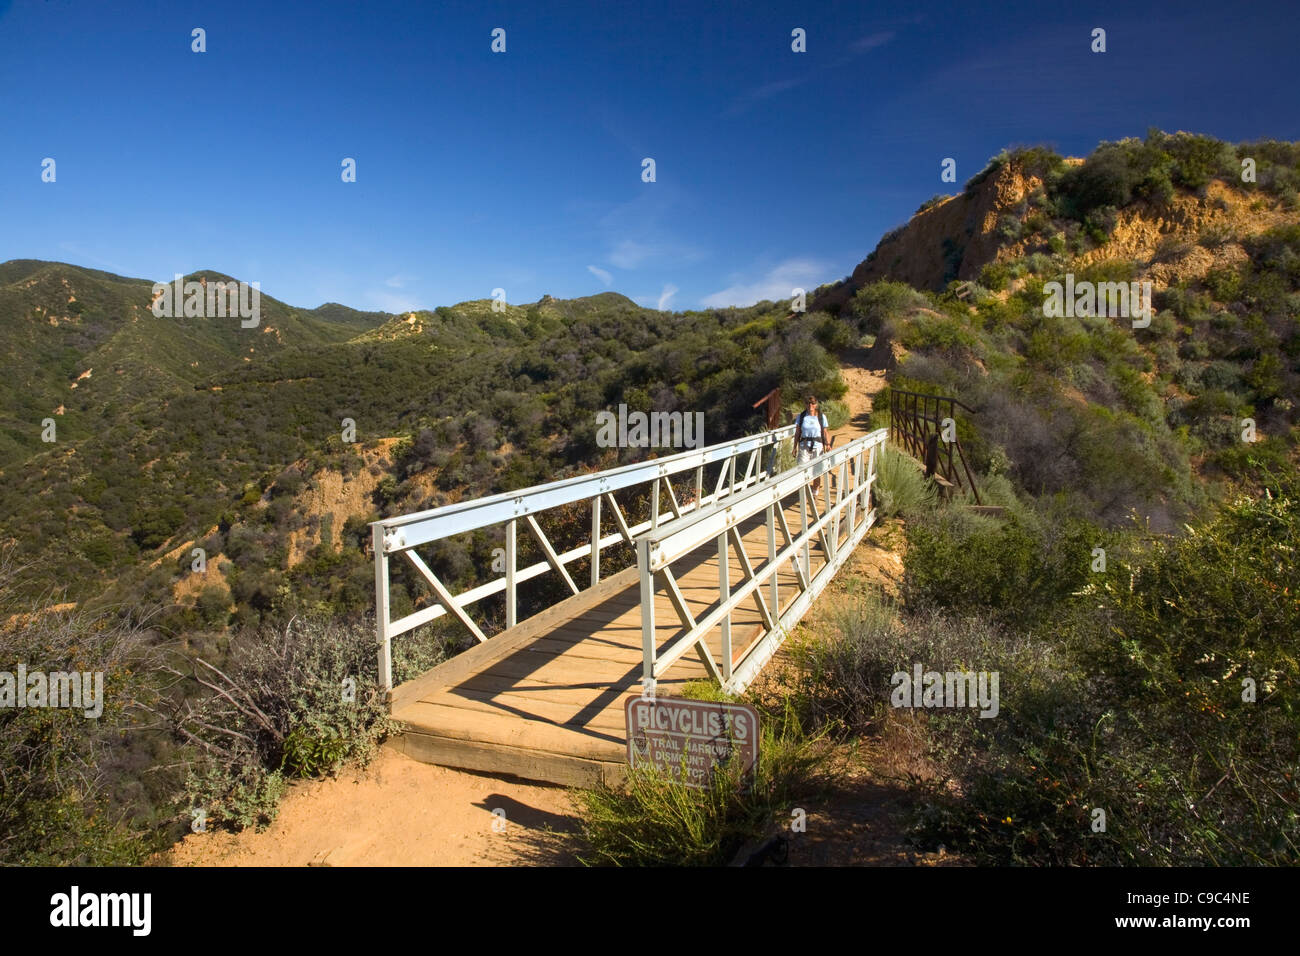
[[400, 536], [851, 514]]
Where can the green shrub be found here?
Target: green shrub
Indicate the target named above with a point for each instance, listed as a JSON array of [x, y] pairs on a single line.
[[994, 276], [1136, 703], [1004, 809], [1206, 611], [901, 487], [1105, 179], [295, 701], [1022, 569], [843, 672], [878, 306], [653, 821], [213, 605], [56, 789], [836, 412], [994, 164], [1040, 264], [931, 202], [1258, 461], [835, 335], [1198, 159], [937, 332]]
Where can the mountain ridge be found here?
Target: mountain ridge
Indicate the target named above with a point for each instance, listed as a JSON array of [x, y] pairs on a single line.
[[170, 427]]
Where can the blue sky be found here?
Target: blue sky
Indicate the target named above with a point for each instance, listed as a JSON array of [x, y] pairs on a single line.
[[522, 170]]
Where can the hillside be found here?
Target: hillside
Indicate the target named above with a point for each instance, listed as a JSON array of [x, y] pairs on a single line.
[[169, 428], [86, 346], [271, 448], [189, 425], [1147, 419], [1125, 201]]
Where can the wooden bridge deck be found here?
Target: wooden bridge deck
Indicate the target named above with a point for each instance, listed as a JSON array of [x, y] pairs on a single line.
[[545, 700]]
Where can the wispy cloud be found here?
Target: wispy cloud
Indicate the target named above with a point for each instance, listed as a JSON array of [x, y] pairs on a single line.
[[391, 302], [778, 283], [633, 253], [628, 254], [871, 41], [400, 281], [76, 248], [775, 87], [666, 296], [601, 274], [644, 230], [861, 45], [766, 91]]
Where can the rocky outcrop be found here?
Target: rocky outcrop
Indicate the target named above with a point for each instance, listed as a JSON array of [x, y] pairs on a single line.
[[956, 238], [953, 239]]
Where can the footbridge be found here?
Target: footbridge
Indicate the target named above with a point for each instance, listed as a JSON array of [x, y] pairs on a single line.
[[694, 566]]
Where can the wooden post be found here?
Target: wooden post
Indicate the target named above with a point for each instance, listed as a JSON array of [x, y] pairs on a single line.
[[931, 456], [773, 409]]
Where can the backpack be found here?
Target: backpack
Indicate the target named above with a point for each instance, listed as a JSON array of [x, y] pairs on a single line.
[[798, 425]]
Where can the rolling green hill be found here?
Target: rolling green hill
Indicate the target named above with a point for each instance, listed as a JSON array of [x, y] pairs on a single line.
[[201, 425], [84, 347]]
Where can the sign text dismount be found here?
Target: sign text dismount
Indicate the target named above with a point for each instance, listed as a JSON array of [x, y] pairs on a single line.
[[686, 739]]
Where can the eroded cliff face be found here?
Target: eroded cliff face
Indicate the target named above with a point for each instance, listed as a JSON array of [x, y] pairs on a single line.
[[1166, 241], [958, 237], [953, 239]]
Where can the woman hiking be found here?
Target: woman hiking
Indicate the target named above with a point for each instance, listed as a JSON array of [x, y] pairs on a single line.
[[811, 437]]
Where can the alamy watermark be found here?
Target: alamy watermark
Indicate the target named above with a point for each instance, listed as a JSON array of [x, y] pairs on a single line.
[[1126, 300], [130, 910], [77, 690], [208, 300], [929, 689], [649, 430]]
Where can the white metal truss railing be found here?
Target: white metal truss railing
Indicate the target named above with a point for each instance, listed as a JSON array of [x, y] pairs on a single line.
[[836, 528], [402, 535]]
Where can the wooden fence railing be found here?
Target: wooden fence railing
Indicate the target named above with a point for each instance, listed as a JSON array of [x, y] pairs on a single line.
[[917, 424]]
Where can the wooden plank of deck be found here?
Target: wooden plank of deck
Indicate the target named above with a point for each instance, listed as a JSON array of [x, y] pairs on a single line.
[[545, 699]]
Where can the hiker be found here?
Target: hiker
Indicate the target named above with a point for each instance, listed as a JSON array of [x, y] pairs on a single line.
[[811, 437]]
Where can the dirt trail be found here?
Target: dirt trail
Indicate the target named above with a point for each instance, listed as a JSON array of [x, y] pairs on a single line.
[[865, 379], [879, 557], [397, 812]]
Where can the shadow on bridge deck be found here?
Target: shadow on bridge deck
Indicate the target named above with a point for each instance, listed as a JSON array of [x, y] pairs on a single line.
[[545, 699]]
